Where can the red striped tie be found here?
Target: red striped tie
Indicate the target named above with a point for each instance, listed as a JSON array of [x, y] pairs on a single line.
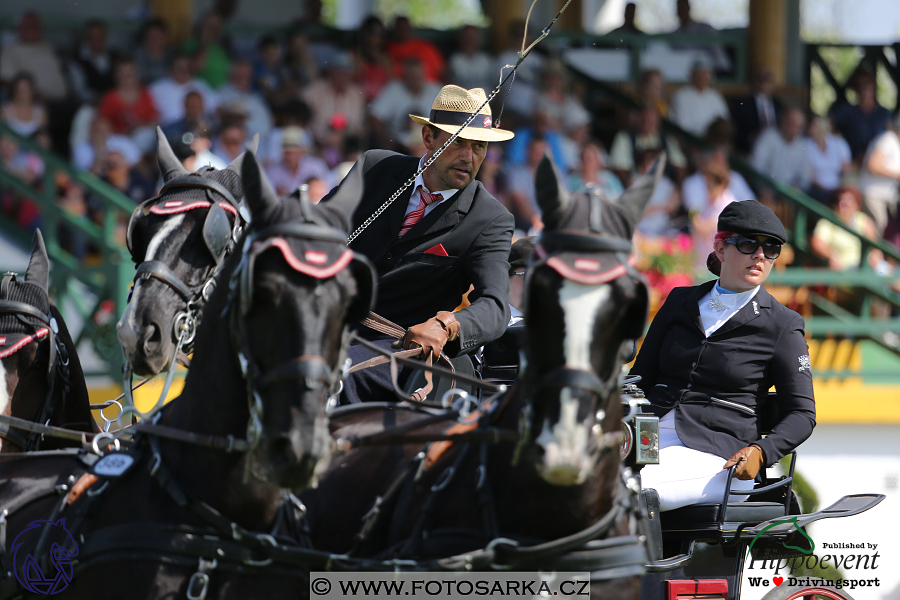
[[416, 215]]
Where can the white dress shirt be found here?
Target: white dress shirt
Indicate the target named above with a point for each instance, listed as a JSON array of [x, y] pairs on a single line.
[[729, 304]]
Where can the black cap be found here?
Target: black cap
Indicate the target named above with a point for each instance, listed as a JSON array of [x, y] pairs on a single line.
[[749, 217], [519, 253]]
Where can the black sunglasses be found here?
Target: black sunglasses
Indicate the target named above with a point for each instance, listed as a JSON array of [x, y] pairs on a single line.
[[745, 245]]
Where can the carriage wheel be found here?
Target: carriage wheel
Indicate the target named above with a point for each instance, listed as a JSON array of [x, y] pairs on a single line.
[[819, 592]]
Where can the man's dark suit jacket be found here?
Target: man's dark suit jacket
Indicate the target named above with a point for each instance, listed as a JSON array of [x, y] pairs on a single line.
[[718, 385], [747, 123], [475, 231]]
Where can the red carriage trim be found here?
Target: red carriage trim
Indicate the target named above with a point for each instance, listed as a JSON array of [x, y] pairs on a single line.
[[23, 342], [304, 267], [177, 206]]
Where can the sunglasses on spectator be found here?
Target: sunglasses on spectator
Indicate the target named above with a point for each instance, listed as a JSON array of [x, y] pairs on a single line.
[[745, 245]]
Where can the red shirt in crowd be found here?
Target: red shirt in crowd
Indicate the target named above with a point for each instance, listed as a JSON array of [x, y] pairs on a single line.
[[423, 50], [125, 117]]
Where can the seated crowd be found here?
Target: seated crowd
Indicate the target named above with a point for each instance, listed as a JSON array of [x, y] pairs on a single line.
[[316, 105]]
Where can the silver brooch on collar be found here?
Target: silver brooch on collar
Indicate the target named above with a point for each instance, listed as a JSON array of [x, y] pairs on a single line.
[[716, 304]]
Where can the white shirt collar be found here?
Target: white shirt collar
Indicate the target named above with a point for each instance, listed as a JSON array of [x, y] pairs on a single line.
[[718, 306]]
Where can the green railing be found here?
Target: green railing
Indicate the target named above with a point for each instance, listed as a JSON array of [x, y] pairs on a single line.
[[97, 289], [836, 320]]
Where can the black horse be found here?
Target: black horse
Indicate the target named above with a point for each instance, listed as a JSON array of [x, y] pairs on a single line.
[[178, 240], [200, 504], [42, 377], [559, 477]]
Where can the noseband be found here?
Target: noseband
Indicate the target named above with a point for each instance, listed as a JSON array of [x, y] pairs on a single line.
[[57, 364]]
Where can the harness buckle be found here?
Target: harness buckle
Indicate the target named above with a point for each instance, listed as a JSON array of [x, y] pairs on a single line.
[[199, 582]]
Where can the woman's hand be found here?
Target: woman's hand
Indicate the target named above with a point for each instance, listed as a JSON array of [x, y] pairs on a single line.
[[749, 461]]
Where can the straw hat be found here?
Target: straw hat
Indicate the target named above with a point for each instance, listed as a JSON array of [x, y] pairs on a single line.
[[454, 105]]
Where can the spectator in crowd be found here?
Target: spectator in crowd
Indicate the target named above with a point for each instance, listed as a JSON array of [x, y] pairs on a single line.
[[91, 154], [331, 147], [528, 76], [232, 139], [269, 71], [336, 94], [91, 69], [23, 112], [317, 189], [129, 108], [402, 46], [194, 113], [238, 95], [577, 133], [540, 126], [117, 172], [697, 105], [563, 110], [756, 112], [27, 168], [651, 89], [492, 175], [297, 164], [521, 201], [840, 248], [645, 134], [592, 171], [664, 204], [169, 93], [880, 176], [782, 153], [628, 27], [391, 109], [153, 56], [299, 68], [37, 58], [687, 24], [293, 113], [864, 121], [704, 204], [211, 52], [469, 66], [829, 159], [697, 188], [200, 143], [373, 65]]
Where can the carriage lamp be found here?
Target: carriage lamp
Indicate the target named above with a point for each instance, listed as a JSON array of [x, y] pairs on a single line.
[[646, 439]]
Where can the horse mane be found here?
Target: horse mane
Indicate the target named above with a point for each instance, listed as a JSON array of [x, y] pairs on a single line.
[[77, 393]]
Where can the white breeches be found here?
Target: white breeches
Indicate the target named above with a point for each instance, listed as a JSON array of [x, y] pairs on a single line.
[[686, 476]]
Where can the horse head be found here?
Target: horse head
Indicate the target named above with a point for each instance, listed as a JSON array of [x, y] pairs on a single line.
[[296, 287], [583, 299], [179, 240], [35, 352]]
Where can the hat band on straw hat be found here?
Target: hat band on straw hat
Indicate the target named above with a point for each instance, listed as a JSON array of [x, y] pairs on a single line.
[[452, 117]]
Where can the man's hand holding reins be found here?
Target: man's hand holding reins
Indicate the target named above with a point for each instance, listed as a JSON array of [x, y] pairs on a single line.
[[432, 335]]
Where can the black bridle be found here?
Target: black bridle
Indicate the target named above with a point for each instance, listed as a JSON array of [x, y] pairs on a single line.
[[313, 370], [220, 237], [57, 367]]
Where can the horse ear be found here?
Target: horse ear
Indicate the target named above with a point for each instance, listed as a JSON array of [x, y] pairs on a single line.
[[237, 163], [169, 165], [38, 271], [337, 207], [634, 200], [550, 192], [260, 196]]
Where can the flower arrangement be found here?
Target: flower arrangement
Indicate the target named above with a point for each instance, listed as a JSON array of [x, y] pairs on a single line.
[[667, 263]]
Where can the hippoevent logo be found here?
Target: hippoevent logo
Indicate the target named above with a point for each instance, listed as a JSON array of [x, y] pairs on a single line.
[[53, 547], [862, 556]]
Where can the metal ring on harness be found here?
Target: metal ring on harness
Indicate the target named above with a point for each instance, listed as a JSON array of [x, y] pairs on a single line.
[[95, 443]]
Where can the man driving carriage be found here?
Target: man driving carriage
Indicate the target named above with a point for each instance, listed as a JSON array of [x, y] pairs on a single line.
[[441, 235], [709, 359]]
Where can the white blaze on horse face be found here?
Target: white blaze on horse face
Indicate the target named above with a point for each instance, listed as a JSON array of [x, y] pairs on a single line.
[[566, 460], [580, 303], [4, 393], [168, 227]]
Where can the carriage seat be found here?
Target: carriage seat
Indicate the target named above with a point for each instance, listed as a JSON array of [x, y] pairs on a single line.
[[500, 359]]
